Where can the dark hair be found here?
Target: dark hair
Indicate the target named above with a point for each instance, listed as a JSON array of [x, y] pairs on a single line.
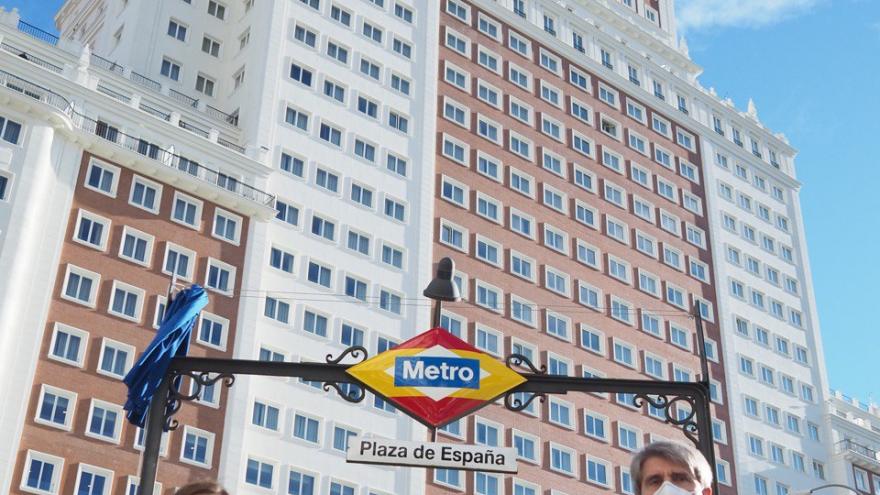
[[206, 487]]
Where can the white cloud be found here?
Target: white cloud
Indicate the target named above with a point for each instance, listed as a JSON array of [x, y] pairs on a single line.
[[696, 15]]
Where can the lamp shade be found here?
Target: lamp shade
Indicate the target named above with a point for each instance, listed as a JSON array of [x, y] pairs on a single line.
[[442, 288]]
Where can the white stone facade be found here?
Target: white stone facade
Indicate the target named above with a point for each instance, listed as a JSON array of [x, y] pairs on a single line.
[[854, 427]]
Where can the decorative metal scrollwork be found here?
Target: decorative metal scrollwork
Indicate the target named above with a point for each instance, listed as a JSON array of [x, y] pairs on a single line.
[[199, 382], [356, 351], [515, 403], [349, 392], [518, 360], [688, 423]]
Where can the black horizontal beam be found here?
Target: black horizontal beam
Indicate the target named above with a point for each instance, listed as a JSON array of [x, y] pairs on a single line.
[[559, 384], [323, 372]]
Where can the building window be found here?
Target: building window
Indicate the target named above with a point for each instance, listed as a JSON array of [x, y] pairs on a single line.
[[145, 194], [92, 480], [187, 211], [42, 473], [80, 285], [525, 446], [390, 302], [105, 421], [315, 324], [259, 473], [327, 180], [198, 446], [91, 230], [453, 236], [297, 118], [216, 9], [116, 358], [211, 47], [488, 340], [561, 459], [597, 471], [265, 416], [360, 243], [170, 69], [277, 310], [306, 428], [10, 131], [341, 437], [330, 134], [101, 177], [227, 226], [220, 277], [448, 477], [56, 407], [394, 209], [126, 301], [68, 344], [624, 354]]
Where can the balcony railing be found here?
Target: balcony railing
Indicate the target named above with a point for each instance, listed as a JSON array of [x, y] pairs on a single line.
[[184, 99], [229, 144], [155, 112], [114, 94], [231, 119], [194, 129], [132, 143], [31, 58], [145, 81], [105, 64], [110, 66], [864, 454], [35, 32]]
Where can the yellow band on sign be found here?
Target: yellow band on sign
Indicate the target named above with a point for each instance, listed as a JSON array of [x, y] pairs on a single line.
[[436, 377], [375, 373]]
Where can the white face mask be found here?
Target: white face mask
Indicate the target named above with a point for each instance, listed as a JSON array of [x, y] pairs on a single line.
[[668, 488]]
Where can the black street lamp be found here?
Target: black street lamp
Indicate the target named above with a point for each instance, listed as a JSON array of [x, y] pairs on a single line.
[[442, 288]]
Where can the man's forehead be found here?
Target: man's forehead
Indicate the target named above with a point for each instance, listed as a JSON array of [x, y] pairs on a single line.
[[659, 465]]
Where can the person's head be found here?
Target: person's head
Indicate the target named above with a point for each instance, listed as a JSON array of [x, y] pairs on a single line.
[[673, 463], [206, 487]]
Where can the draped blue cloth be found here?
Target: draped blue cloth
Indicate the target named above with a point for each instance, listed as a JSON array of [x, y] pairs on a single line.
[[172, 340]]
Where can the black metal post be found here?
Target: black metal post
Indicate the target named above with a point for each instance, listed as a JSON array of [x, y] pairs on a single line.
[[153, 437], [701, 341], [704, 413], [436, 317]]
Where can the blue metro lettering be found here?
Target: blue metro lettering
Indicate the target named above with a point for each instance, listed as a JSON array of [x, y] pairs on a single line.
[[448, 372]]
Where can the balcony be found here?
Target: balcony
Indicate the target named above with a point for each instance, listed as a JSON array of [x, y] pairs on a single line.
[[109, 66], [187, 101], [135, 144], [858, 454]]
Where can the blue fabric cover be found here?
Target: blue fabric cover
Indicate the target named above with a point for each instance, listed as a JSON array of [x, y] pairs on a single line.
[[172, 340]]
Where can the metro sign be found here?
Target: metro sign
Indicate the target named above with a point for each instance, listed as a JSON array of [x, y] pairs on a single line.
[[436, 377]]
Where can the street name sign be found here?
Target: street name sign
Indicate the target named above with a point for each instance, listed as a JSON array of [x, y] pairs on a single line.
[[435, 377], [370, 450]]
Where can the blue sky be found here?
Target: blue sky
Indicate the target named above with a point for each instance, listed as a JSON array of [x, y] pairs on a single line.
[[812, 68]]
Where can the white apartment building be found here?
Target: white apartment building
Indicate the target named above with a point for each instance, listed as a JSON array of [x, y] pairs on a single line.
[[854, 428], [775, 364], [333, 98]]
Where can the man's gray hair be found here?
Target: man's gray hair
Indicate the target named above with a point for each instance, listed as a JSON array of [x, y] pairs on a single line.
[[675, 453]]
